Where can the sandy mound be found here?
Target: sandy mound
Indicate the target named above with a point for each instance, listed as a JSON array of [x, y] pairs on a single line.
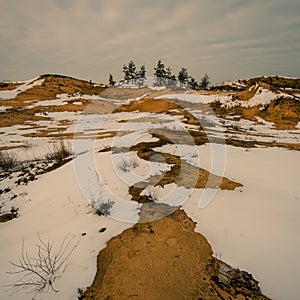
[[166, 259], [54, 85], [148, 105], [283, 112]]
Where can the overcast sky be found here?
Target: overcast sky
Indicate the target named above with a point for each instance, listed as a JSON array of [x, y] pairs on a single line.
[[89, 39]]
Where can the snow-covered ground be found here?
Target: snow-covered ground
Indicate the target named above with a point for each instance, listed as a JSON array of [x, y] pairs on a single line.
[[197, 98], [254, 227], [257, 227], [55, 208]]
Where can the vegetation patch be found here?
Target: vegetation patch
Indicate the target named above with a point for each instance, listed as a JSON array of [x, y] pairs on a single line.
[[283, 112]]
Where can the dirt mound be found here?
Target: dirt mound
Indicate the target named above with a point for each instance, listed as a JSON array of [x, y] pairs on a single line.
[[148, 104], [54, 85], [21, 110], [276, 82], [283, 112], [246, 94], [166, 259]]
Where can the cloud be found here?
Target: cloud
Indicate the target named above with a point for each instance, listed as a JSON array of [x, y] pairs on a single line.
[[93, 38]]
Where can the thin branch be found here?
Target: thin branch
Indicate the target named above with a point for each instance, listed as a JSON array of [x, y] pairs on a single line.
[[42, 271]]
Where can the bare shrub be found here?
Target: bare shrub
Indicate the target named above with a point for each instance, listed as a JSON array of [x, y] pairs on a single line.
[[41, 272], [60, 152], [124, 166], [127, 165], [7, 160], [104, 208], [153, 194]]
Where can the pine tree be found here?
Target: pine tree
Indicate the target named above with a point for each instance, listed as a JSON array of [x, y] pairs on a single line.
[[183, 76], [171, 78], [141, 75], [204, 83], [142, 72], [160, 73], [193, 84], [111, 80], [126, 73], [132, 71]]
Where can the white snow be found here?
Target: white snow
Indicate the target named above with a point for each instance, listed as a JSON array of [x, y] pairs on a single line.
[[193, 98], [262, 97], [170, 194], [233, 83], [211, 157], [55, 208], [4, 108], [256, 227], [197, 98]]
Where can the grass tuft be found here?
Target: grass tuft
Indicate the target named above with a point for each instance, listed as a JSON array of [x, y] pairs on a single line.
[[60, 153], [8, 160]]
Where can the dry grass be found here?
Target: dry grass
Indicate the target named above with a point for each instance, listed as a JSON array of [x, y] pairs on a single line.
[[54, 85], [49, 132], [20, 117], [148, 104], [100, 107], [60, 152], [276, 82], [246, 94], [4, 148], [283, 112], [7, 160]]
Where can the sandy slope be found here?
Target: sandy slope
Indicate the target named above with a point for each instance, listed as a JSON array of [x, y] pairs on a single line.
[[254, 227], [164, 259]]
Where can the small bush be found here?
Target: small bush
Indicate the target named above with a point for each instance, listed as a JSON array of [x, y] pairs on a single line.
[[126, 165], [104, 208], [40, 273], [7, 161], [60, 152]]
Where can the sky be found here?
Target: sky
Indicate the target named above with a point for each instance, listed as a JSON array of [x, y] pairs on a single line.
[[227, 39]]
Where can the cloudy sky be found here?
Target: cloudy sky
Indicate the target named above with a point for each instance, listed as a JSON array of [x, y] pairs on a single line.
[[89, 39]]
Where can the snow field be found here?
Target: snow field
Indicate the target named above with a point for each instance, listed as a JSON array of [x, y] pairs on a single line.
[[256, 227]]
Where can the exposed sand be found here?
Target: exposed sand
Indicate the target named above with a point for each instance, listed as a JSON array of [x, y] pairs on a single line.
[[164, 259]]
